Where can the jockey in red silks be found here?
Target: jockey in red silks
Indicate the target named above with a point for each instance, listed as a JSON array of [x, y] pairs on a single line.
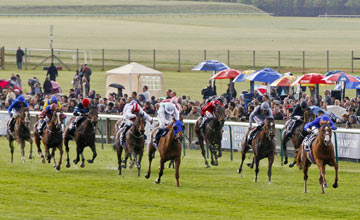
[[207, 112]]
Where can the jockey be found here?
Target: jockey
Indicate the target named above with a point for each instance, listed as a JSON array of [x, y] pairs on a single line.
[[207, 112], [80, 112], [297, 116], [166, 113], [45, 117], [129, 117], [14, 109], [259, 114], [317, 123], [53, 100]]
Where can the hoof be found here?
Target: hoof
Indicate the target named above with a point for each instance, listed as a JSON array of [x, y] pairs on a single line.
[[43, 160], [75, 161], [207, 166], [147, 176], [120, 173], [285, 162], [90, 161], [213, 163], [82, 165], [58, 168], [335, 185], [67, 165], [30, 157], [325, 185], [157, 181], [269, 182], [291, 165], [123, 166], [54, 165], [249, 165], [238, 171]]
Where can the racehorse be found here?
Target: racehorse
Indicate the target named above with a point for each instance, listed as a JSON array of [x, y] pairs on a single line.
[[308, 117], [169, 148], [84, 136], [212, 135], [22, 134], [263, 145], [51, 138], [134, 144], [321, 153]]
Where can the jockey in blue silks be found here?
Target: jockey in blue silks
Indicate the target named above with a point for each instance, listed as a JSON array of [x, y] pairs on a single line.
[[14, 110], [317, 123]]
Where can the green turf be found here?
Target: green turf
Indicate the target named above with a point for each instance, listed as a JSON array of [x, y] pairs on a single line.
[[36, 191]]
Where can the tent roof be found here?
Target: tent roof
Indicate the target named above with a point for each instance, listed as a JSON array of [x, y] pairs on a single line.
[[133, 68]]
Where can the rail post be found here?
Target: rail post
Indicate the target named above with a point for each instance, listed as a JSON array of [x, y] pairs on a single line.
[[129, 56], [327, 60], [77, 58], [231, 144], [103, 60], [279, 61], [336, 148], [303, 62], [25, 58], [154, 59], [352, 61], [102, 133], [184, 147], [281, 149], [205, 54], [254, 59], [179, 61], [228, 57]]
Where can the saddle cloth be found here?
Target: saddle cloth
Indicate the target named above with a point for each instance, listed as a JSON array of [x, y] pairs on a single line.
[[308, 140]]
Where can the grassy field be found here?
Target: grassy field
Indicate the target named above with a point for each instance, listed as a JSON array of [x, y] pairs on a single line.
[[36, 191]]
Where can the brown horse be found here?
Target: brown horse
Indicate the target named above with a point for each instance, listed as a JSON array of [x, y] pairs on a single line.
[[169, 148], [84, 136], [134, 144], [22, 134], [322, 153], [212, 135], [51, 138], [308, 117], [263, 145]]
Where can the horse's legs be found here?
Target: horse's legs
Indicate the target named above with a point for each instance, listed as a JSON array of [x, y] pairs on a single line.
[[11, 145], [22, 143], [257, 161], [119, 150], [53, 156], [151, 157], [306, 168], [177, 166], [138, 164], [243, 154], [61, 155], [77, 159], [93, 149], [333, 163], [82, 165], [202, 147], [271, 160], [31, 148], [161, 171], [37, 142], [322, 179], [283, 142], [66, 142]]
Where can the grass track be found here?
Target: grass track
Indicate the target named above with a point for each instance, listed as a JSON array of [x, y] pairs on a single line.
[[36, 191]]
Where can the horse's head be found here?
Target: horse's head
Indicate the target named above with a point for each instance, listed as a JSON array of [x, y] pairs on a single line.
[[140, 123], [220, 114], [93, 116], [325, 134], [178, 130], [269, 128], [309, 115], [25, 116], [56, 119]]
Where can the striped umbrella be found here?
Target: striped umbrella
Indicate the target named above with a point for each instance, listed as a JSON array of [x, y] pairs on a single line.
[[284, 81]]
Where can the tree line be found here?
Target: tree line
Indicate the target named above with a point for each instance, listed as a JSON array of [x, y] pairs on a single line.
[[303, 7]]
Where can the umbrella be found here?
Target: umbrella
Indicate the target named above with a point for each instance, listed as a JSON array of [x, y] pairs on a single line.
[[316, 109], [332, 72], [210, 65], [266, 75], [227, 74], [261, 90], [342, 76], [336, 110], [240, 78], [349, 85], [311, 78], [5, 83], [284, 81], [54, 85], [118, 86]]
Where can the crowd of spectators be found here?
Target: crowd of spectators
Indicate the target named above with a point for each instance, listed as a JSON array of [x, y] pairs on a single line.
[[236, 108]]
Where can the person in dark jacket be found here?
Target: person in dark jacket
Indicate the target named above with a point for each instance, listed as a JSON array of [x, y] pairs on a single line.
[[19, 58], [81, 110], [52, 72], [297, 117], [47, 86]]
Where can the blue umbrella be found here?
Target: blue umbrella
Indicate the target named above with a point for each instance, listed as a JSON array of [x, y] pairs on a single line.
[[316, 109], [266, 75], [349, 85], [210, 65], [332, 72], [240, 78]]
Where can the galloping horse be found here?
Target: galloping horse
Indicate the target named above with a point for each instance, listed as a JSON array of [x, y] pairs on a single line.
[[84, 136], [51, 138], [134, 144], [169, 148], [308, 117], [321, 153], [212, 135], [22, 134], [263, 145]]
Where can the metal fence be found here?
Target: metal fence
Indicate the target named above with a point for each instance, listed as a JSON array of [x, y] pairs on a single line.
[[346, 141], [184, 60]]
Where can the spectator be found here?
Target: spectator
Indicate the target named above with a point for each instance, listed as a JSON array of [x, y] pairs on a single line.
[[47, 86], [231, 92], [19, 58], [72, 94], [78, 91], [149, 109], [52, 72], [278, 115], [327, 98], [18, 81], [9, 97], [232, 111], [146, 93], [85, 87], [37, 89], [168, 94], [194, 112], [86, 72], [208, 91], [110, 108], [76, 79]]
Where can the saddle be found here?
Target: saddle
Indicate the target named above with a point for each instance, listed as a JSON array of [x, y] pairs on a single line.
[[308, 140]]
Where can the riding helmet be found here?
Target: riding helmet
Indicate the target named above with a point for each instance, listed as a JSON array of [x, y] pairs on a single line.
[[325, 118], [265, 106], [303, 104], [85, 102], [135, 107], [170, 108], [20, 98], [53, 100]]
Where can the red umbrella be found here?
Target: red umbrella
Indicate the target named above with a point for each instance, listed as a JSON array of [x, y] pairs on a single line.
[[5, 83], [227, 74], [312, 78], [342, 76], [261, 89]]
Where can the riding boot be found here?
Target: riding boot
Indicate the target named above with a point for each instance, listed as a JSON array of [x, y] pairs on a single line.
[[157, 137], [72, 128], [123, 135], [40, 128], [11, 126]]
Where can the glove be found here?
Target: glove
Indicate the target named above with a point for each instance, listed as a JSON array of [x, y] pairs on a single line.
[[11, 114]]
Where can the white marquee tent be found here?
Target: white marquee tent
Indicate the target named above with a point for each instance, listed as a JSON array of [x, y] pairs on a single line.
[[134, 77]]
